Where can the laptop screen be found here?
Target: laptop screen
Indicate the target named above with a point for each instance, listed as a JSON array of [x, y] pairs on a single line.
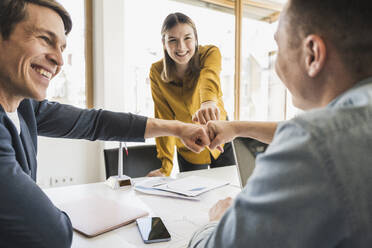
[[245, 152]]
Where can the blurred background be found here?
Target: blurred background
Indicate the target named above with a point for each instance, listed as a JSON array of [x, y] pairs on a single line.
[[108, 57]]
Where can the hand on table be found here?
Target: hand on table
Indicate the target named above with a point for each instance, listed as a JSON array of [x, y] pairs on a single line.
[[155, 173], [219, 209]]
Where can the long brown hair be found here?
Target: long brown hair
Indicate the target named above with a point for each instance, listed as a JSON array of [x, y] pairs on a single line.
[[169, 68]]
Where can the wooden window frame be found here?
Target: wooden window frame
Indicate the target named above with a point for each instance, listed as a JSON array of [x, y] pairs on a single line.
[[238, 7], [89, 80]]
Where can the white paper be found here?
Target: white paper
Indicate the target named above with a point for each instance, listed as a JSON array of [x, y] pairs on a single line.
[[191, 186], [148, 186]]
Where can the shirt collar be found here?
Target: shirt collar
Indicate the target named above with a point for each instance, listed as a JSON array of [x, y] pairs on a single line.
[[355, 87]]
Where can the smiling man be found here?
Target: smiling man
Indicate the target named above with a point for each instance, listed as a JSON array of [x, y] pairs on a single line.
[[313, 185], [32, 40], [31, 55]]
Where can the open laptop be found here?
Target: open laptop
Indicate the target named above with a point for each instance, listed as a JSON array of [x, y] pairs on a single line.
[[245, 152]]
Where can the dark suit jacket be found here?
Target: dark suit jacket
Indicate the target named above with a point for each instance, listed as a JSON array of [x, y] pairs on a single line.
[[27, 217]]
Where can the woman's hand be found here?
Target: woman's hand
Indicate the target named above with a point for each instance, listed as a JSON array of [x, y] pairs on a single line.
[[208, 111], [155, 173]]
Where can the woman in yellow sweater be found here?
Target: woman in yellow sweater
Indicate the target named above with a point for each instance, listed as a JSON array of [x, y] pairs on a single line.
[[185, 86]]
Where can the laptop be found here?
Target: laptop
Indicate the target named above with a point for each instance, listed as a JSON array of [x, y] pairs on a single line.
[[245, 153]]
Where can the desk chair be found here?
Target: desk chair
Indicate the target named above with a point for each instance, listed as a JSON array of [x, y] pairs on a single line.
[[140, 161]]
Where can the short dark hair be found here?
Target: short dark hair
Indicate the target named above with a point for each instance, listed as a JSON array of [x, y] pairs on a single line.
[[15, 11], [347, 24]]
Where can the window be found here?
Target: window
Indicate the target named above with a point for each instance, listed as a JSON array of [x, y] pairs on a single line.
[[262, 95], [143, 47], [70, 85]]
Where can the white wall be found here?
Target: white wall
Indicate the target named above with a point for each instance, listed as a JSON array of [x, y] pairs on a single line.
[[83, 160], [60, 159]]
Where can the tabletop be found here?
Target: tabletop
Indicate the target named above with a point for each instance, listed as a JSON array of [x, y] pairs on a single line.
[[181, 216]]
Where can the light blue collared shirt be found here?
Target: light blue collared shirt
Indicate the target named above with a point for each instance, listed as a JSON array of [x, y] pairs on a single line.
[[312, 188]]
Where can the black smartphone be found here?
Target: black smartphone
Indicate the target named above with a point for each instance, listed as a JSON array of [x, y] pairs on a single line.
[[152, 229]]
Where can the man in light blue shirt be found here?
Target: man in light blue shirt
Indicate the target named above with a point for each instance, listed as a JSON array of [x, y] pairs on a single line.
[[313, 185], [33, 36]]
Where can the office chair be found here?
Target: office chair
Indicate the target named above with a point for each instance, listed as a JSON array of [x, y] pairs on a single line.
[[140, 161]]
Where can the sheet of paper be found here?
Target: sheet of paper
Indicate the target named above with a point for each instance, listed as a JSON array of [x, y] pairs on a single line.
[[150, 182], [147, 186], [191, 186]]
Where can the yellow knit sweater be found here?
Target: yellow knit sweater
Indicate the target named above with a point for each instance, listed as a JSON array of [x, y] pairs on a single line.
[[180, 100]]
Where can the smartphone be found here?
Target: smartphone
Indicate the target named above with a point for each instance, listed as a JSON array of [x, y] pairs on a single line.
[[152, 229]]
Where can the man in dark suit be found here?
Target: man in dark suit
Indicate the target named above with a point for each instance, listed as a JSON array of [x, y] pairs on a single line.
[[32, 39]]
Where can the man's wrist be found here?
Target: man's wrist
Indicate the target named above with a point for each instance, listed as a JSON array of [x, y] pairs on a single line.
[[158, 128], [176, 127], [169, 127], [235, 128]]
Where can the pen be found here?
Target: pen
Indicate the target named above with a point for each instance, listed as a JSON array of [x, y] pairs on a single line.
[[126, 148], [197, 189]]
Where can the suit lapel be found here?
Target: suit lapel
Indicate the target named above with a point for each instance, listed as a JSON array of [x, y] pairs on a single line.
[[28, 149]]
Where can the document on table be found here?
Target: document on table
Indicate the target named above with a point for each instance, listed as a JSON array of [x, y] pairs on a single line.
[[192, 185], [147, 186], [188, 187]]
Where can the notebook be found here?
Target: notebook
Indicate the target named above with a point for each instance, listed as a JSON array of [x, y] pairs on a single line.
[[95, 215], [245, 152]]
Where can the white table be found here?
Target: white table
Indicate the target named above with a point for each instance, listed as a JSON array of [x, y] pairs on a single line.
[[181, 217]]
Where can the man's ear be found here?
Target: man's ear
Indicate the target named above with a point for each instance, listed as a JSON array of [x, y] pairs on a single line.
[[315, 54]]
